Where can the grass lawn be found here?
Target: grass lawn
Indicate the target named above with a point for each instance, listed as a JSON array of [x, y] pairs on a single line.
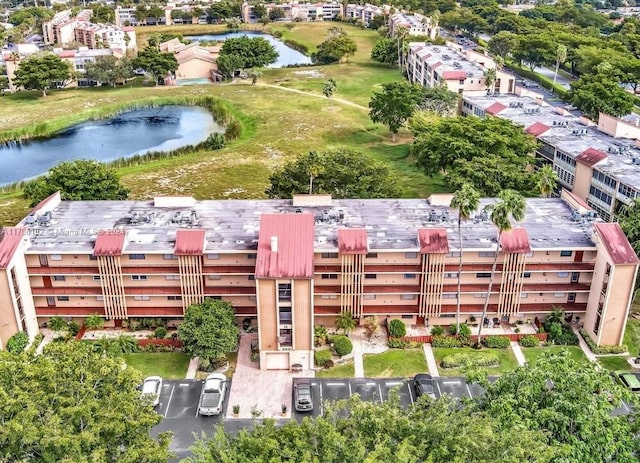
[[394, 363], [508, 361], [532, 353], [346, 370], [168, 365], [614, 363]]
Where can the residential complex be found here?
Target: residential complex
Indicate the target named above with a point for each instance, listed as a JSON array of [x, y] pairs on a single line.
[[294, 11], [366, 12], [194, 60], [415, 24], [294, 264]]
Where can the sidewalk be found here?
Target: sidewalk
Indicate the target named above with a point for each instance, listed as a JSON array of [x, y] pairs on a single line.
[[585, 348], [431, 360], [193, 368], [515, 347], [358, 363]]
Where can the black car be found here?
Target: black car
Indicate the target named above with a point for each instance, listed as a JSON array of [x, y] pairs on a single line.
[[303, 398], [424, 385]]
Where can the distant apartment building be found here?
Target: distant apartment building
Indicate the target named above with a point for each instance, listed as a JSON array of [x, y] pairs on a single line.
[[599, 163], [366, 12], [460, 70], [194, 60], [415, 24], [126, 16], [293, 11], [294, 264], [65, 29]]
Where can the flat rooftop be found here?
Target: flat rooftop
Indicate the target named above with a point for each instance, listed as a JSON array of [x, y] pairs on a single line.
[[233, 225], [450, 59]]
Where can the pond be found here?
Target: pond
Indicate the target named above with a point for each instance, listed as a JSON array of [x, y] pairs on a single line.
[[165, 128], [287, 56]]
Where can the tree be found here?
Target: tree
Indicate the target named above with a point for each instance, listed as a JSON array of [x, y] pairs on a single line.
[[401, 33], [466, 201], [260, 11], [629, 219], [209, 329], [109, 69], [534, 50], [510, 204], [345, 322], [335, 49], [79, 180], [385, 51], [547, 180], [490, 80], [561, 57], [342, 172], [255, 74], [229, 64], [371, 325], [502, 43], [395, 104], [38, 72], [251, 52], [276, 14], [440, 100], [491, 174], [329, 89], [71, 404], [156, 63]]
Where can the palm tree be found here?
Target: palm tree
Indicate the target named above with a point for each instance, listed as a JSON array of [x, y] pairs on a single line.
[[547, 180], [510, 204], [401, 33], [561, 57], [490, 79], [345, 322], [465, 200]]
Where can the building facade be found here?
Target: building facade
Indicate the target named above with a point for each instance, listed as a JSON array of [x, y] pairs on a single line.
[[367, 12], [294, 264], [294, 11], [415, 24]]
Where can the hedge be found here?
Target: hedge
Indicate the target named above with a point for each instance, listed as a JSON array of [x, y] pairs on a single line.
[[529, 341], [445, 341], [460, 359], [397, 328], [322, 357], [18, 342], [342, 345], [602, 350], [496, 342], [394, 343]]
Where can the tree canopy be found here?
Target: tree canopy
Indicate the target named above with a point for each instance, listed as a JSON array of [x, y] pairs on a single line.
[[336, 48], [77, 180], [385, 51], [629, 219], [109, 69], [395, 104], [38, 72], [73, 405], [249, 52], [342, 172], [209, 329], [155, 62]]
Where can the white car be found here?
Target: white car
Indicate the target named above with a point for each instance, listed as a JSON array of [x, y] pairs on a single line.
[[213, 393], [151, 388]]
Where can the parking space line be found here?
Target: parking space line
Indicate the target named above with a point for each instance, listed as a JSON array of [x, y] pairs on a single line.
[[393, 383], [452, 382], [439, 391], [350, 393], [411, 393], [369, 384], [469, 391], [380, 390], [166, 412], [625, 407], [335, 384]]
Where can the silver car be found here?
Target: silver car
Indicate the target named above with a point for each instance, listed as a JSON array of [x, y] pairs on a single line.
[[151, 388], [213, 393]]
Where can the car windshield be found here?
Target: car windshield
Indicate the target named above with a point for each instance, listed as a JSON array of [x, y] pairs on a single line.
[[149, 387], [212, 385]]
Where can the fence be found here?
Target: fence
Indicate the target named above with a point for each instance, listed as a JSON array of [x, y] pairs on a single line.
[[512, 337]]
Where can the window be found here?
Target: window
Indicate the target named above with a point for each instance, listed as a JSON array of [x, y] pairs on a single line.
[[369, 297], [58, 278], [138, 277], [136, 257], [55, 257], [566, 253], [563, 274], [370, 276], [92, 257], [571, 297], [252, 298], [63, 298], [216, 298], [410, 255], [97, 278], [329, 276], [213, 256], [409, 276], [526, 274], [169, 256], [329, 255], [372, 255], [487, 254], [407, 297], [284, 291], [251, 277], [449, 296], [559, 295], [451, 275], [252, 255], [333, 296], [524, 295], [454, 254], [529, 254], [141, 298], [172, 277], [174, 298], [479, 295], [483, 275], [215, 277], [99, 298]]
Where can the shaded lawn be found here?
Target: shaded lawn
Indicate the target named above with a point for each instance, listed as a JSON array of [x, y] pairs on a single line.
[[168, 365], [507, 360], [346, 370], [395, 363], [533, 353], [614, 363]]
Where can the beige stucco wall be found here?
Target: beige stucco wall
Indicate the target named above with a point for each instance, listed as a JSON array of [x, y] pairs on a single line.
[[617, 128], [8, 323], [582, 181], [302, 320], [195, 68], [267, 317]]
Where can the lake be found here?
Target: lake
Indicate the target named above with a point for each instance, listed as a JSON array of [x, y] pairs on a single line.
[[165, 128], [287, 56]]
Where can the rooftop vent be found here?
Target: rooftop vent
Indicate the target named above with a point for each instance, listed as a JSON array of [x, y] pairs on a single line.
[[635, 161], [274, 244], [45, 219]]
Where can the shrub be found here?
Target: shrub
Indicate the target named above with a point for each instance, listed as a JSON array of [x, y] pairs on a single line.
[[464, 330], [602, 350], [18, 342], [445, 341], [460, 359], [529, 341], [401, 344], [57, 324], [73, 328], [437, 330], [161, 332], [342, 345], [370, 326], [397, 328], [496, 342], [329, 364], [319, 335], [321, 357], [94, 322]]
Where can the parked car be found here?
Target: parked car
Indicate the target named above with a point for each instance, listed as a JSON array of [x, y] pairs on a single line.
[[213, 393], [628, 380], [151, 388], [303, 397], [424, 385]]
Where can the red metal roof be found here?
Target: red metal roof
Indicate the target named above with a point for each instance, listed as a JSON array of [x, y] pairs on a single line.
[[578, 200], [537, 129], [454, 75], [352, 241], [294, 256], [109, 243], [495, 108], [66, 54], [515, 240], [189, 243], [9, 242], [590, 157], [617, 244], [433, 240], [435, 65]]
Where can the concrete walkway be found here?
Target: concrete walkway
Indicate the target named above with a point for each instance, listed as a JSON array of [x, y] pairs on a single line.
[[358, 363], [515, 347], [431, 360], [585, 348], [193, 368]]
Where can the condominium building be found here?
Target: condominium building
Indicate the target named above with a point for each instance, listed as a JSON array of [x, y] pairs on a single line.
[[461, 71], [366, 12], [294, 264], [599, 163], [415, 24], [294, 11]]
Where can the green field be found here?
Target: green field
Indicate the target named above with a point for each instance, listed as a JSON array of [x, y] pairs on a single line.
[[281, 124], [614, 363], [508, 361], [395, 363], [533, 353], [168, 365], [346, 370]]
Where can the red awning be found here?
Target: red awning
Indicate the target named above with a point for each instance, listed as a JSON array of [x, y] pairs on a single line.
[[537, 129], [515, 240], [189, 243], [433, 241], [495, 108], [352, 241], [109, 243], [590, 157]]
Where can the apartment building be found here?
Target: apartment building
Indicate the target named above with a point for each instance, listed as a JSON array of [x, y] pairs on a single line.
[[298, 263], [366, 12], [415, 24], [461, 71], [60, 29], [599, 163], [294, 11], [126, 16]]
